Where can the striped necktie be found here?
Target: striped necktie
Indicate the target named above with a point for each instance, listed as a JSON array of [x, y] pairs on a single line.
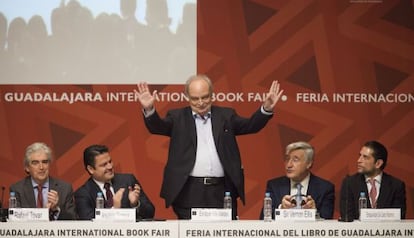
[[373, 193], [109, 196]]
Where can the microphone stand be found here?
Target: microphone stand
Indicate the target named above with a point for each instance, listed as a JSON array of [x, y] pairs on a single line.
[[3, 211], [347, 217], [2, 196]]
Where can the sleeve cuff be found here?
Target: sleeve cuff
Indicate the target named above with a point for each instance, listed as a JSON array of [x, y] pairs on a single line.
[[138, 205], [266, 112], [54, 215], [148, 113]]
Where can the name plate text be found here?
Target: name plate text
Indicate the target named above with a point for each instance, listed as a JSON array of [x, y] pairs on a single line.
[[115, 214], [28, 214], [210, 214], [380, 214], [295, 214]]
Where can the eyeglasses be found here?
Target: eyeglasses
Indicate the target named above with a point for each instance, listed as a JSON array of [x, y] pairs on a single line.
[[38, 162]]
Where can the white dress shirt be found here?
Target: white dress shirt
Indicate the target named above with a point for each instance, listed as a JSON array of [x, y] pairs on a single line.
[[378, 179], [304, 183], [207, 163]]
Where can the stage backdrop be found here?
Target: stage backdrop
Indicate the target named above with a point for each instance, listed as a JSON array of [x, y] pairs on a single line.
[[347, 68]]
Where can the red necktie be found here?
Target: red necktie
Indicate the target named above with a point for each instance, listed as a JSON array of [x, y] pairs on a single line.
[[39, 196], [373, 193], [109, 196]]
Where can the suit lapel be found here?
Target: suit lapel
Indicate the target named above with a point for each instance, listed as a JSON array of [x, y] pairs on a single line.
[[190, 122], [383, 191], [363, 188], [29, 192], [53, 185], [312, 187], [93, 187], [217, 123], [115, 183], [285, 188]]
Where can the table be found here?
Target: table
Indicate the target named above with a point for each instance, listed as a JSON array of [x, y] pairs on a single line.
[[193, 229]]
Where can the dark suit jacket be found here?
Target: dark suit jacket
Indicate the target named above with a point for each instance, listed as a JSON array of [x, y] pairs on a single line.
[[85, 197], [391, 194], [179, 125], [321, 190], [26, 199]]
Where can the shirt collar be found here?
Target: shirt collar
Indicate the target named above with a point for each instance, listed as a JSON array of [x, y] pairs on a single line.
[[304, 182], [195, 115], [45, 185], [377, 178], [100, 184]]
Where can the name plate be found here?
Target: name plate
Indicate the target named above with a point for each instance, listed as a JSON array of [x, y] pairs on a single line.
[[28, 214], [115, 214], [295, 214], [381, 214], [210, 214]]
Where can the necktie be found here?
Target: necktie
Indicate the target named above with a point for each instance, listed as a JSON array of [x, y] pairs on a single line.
[[203, 118], [109, 196], [39, 196], [299, 196], [373, 193]]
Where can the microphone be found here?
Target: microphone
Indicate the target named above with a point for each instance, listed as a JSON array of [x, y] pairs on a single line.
[[345, 207], [3, 211], [2, 196]]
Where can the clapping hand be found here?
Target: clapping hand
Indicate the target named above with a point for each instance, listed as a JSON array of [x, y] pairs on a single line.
[[133, 195]]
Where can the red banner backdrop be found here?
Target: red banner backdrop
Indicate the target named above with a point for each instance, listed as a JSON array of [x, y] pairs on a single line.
[[347, 68]]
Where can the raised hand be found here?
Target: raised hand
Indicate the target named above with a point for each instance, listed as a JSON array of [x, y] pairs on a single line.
[[118, 197], [272, 96], [52, 199], [145, 97]]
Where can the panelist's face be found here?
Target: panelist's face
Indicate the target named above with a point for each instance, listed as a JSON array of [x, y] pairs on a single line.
[[296, 165], [199, 96], [38, 166], [366, 163], [104, 169]]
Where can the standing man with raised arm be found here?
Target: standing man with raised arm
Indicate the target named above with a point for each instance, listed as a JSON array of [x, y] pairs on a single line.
[[204, 158], [39, 189]]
